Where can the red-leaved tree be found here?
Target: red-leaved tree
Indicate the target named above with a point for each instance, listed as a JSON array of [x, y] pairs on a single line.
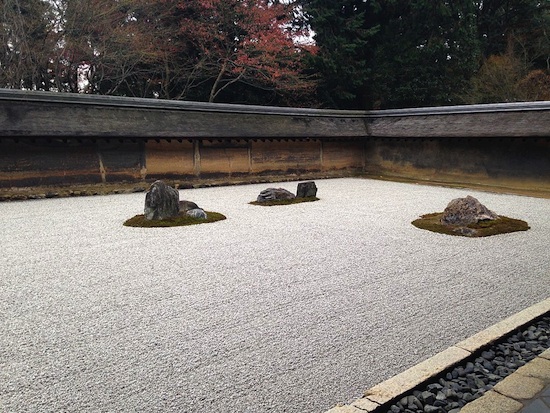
[[213, 50], [243, 44]]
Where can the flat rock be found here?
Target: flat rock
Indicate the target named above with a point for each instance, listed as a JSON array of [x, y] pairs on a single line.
[[274, 194]]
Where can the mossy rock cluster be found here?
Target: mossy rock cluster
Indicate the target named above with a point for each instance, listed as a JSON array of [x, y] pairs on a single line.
[[502, 225], [181, 220], [285, 201]]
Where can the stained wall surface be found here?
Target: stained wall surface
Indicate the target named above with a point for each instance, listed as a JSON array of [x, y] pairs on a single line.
[[111, 139]]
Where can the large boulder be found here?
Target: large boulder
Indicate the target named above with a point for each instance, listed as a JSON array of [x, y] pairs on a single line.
[[466, 211], [306, 190], [274, 194], [161, 202]]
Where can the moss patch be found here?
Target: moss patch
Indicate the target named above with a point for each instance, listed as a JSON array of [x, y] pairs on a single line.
[[181, 220], [286, 201], [503, 225]]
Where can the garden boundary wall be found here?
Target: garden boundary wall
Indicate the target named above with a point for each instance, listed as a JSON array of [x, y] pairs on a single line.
[[66, 139]]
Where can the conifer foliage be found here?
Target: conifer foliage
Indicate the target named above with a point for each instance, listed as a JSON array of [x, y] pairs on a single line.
[[408, 53]]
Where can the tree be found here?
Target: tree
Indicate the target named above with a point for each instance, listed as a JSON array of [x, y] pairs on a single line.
[[27, 37], [498, 20], [516, 52], [394, 53], [242, 50], [401, 53], [344, 41], [535, 86], [241, 45], [106, 48], [497, 80]]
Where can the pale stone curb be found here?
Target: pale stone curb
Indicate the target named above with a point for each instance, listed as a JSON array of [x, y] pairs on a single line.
[[492, 402], [519, 387], [498, 330], [522, 385], [408, 380], [545, 354], [345, 409], [538, 368]]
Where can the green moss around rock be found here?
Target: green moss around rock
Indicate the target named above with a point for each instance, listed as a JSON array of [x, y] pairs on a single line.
[[503, 225], [285, 201], [181, 220]]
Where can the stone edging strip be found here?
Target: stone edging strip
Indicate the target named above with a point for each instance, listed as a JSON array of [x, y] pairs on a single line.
[[516, 390], [405, 382]]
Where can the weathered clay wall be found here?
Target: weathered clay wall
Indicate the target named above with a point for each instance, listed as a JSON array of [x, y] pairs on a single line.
[[57, 139], [70, 161], [518, 164]]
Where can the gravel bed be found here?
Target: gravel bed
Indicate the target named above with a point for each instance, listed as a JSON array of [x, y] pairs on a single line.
[[469, 381], [275, 309]]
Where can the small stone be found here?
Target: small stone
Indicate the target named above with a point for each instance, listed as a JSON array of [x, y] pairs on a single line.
[[197, 213], [187, 205], [434, 386], [480, 383], [529, 335], [493, 377], [488, 366], [427, 397], [413, 403], [450, 394], [455, 386], [468, 232], [432, 409]]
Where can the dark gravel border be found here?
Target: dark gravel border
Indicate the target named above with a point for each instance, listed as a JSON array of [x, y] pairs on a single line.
[[453, 389]]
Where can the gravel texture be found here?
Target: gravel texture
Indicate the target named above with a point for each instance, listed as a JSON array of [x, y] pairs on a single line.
[[472, 379], [286, 309]]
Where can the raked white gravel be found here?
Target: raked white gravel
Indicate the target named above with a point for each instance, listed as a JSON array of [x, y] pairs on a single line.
[[281, 309]]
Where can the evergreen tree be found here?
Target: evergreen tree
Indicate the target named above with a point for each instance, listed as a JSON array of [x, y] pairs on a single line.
[[426, 53], [393, 53], [344, 45]]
